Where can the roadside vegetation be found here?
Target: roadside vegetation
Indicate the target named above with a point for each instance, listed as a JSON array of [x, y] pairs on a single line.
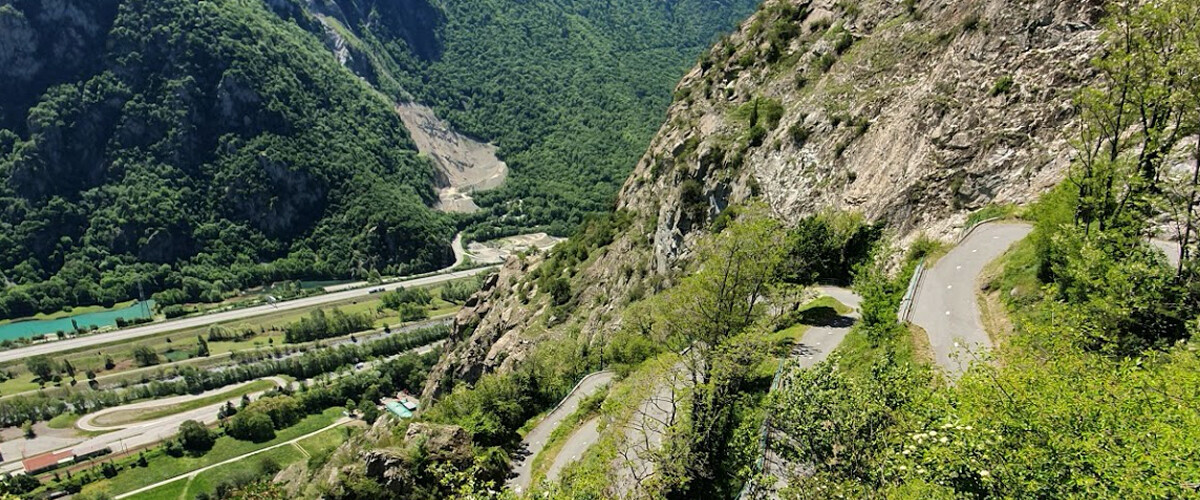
[[188, 380], [125, 363]]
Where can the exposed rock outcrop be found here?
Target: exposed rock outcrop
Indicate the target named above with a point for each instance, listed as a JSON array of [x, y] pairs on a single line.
[[484, 331], [911, 115]]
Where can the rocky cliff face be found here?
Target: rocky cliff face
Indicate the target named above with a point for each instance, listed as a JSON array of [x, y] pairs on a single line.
[[914, 113]]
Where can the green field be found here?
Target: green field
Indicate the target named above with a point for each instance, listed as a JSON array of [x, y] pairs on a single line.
[[20, 383], [244, 470], [248, 468], [162, 467], [63, 421], [143, 414]]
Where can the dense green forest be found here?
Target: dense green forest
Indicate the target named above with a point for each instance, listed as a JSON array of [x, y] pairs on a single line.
[[570, 90], [191, 150], [197, 148]]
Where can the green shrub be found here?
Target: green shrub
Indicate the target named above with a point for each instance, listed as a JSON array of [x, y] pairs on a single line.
[[1003, 85]]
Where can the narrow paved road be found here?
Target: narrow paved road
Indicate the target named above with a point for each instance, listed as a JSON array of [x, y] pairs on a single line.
[[646, 429], [574, 448], [290, 442], [945, 304], [535, 440], [816, 345], [88, 422], [169, 326], [820, 340]]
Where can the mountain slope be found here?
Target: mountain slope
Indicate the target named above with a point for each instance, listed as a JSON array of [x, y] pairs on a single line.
[[178, 144], [200, 149], [902, 115], [570, 91]]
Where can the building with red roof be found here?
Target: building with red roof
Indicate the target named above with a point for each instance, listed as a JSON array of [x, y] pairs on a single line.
[[47, 461]]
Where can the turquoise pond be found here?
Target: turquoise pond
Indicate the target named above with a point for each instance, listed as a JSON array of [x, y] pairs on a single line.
[[31, 328]]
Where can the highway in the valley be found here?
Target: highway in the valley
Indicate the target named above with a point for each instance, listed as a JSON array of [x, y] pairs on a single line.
[[236, 314]]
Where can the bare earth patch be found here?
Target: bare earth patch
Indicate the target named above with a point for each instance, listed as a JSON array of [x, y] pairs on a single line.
[[922, 350], [463, 165], [496, 251]]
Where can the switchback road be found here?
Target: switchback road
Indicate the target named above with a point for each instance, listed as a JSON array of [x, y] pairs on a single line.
[[945, 304], [535, 440]]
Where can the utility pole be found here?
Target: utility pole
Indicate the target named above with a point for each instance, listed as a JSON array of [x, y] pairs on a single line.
[[142, 300]]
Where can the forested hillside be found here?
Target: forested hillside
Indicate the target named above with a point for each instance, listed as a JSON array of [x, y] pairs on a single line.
[[196, 149], [570, 90], [199, 147]]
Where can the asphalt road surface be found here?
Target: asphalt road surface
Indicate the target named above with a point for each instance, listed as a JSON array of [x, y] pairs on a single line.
[[820, 340], [816, 345], [535, 440], [169, 326], [1170, 248], [945, 304], [574, 448]]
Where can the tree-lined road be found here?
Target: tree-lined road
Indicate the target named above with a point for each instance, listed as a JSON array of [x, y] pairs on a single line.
[[237, 314], [814, 347]]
